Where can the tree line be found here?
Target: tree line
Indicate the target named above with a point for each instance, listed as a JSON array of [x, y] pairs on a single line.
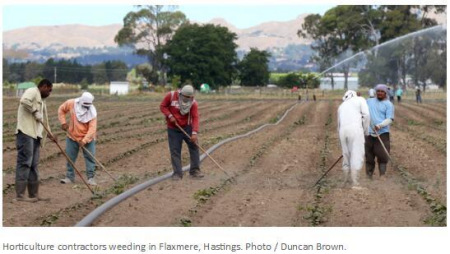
[[179, 51], [344, 30], [65, 71]]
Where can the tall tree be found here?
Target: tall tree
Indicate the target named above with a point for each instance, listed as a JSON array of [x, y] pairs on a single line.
[[147, 30], [323, 43], [254, 68], [202, 54]]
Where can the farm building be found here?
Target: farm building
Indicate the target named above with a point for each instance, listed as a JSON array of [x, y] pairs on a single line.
[[22, 87], [118, 87], [352, 82]]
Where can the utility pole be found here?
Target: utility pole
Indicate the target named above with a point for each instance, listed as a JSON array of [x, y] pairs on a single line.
[[55, 75]]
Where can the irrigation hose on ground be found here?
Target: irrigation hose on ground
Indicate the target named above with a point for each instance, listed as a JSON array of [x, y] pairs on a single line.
[[91, 217], [67, 156]]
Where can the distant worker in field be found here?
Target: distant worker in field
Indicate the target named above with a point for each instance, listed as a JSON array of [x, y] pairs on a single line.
[[399, 94], [371, 93], [381, 116], [32, 113], [180, 108], [81, 132], [390, 93], [418, 95], [353, 125]]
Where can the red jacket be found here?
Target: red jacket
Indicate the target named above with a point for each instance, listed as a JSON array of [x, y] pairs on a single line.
[[170, 108]]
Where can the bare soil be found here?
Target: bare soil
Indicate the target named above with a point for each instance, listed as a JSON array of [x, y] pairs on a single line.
[[273, 171]]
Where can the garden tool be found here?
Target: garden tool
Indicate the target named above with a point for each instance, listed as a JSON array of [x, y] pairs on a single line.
[[332, 166], [203, 150], [95, 159], [67, 157]]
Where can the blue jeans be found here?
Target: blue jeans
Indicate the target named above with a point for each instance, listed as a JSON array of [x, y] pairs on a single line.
[[72, 148], [176, 138], [27, 158]]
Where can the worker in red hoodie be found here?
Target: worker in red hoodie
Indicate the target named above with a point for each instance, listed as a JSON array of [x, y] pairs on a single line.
[[181, 108]]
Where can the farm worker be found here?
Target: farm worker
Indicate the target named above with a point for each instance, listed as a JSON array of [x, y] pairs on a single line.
[[381, 116], [353, 125], [399, 94], [180, 107], [82, 129], [390, 94], [418, 95], [32, 113], [371, 93]]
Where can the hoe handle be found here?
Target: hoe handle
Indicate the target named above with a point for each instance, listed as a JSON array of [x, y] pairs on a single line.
[[203, 150], [67, 157], [95, 159], [382, 144], [332, 166]]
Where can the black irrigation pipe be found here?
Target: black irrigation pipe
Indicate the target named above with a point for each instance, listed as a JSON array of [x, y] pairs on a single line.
[[91, 217]]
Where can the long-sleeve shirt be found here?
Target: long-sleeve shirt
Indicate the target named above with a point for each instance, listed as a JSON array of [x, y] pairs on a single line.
[[170, 108], [379, 111], [354, 114], [78, 131], [30, 102]]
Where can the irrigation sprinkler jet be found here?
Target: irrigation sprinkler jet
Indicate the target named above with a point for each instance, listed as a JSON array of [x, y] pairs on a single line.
[[67, 157], [95, 159], [203, 150], [332, 166]]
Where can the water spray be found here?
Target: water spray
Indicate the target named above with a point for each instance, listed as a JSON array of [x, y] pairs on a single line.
[[438, 27]]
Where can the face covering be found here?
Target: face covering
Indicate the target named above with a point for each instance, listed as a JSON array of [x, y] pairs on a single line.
[[185, 104], [84, 109]]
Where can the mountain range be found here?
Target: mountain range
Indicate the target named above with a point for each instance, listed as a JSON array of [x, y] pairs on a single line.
[[76, 41], [263, 36]]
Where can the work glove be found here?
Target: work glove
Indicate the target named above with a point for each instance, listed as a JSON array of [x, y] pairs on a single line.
[[38, 116], [65, 126]]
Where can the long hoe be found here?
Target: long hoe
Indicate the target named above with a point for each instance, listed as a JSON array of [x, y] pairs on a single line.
[[67, 157], [203, 150], [332, 166], [95, 159]]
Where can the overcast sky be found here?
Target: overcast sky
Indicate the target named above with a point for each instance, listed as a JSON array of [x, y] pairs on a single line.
[[241, 16]]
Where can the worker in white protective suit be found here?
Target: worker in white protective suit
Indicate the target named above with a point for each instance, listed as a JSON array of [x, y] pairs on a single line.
[[353, 125]]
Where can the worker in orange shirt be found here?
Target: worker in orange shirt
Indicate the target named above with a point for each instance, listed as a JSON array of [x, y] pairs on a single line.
[[82, 129]]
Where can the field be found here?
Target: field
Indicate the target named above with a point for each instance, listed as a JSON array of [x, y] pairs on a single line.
[[273, 171]]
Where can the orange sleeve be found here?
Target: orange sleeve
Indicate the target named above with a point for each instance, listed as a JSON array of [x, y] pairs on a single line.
[[62, 111]]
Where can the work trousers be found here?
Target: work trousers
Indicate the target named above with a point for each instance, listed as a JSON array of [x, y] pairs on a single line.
[[28, 150], [374, 149], [72, 148], [176, 138], [352, 144]]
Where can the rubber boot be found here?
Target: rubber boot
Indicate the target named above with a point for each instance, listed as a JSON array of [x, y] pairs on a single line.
[[370, 168], [33, 191], [21, 186], [382, 167]]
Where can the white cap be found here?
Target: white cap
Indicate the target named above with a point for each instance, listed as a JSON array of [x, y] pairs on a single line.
[[187, 90], [86, 99], [349, 94]]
